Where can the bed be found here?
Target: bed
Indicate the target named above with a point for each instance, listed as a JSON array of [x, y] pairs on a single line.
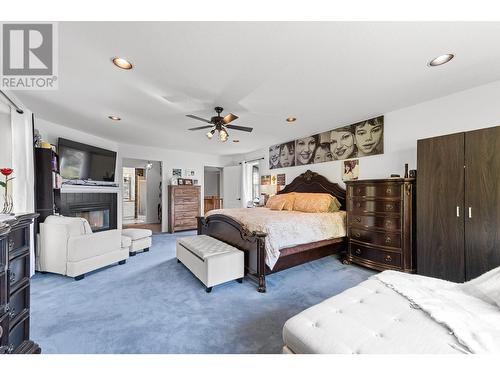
[[399, 313], [265, 255]]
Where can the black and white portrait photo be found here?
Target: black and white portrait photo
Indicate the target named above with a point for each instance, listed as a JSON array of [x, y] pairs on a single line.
[[365, 138], [305, 148]]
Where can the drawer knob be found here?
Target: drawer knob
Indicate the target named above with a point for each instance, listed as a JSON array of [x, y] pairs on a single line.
[[388, 223], [12, 313], [358, 204], [388, 258], [357, 234], [388, 191], [12, 277], [388, 239], [357, 219], [389, 207], [11, 244], [358, 251]]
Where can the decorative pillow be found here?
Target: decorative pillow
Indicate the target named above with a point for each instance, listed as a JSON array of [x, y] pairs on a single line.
[[275, 203], [315, 202], [485, 287]]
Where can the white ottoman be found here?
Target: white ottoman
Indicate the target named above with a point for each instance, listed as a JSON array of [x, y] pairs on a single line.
[[140, 239], [210, 260]]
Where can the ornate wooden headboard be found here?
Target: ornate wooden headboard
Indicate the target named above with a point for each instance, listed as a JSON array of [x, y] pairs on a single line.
[[312, 182]]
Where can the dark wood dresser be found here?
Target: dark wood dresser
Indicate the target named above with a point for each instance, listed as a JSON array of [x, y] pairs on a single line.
[[381, 223], [15, 286], [184, 206]]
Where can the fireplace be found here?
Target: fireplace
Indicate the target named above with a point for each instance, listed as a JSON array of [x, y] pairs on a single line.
[[100, 209]]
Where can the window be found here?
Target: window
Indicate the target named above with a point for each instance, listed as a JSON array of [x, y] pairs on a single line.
[[255, 183]]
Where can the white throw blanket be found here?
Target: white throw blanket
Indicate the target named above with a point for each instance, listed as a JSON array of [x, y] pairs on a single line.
[[474, 322]]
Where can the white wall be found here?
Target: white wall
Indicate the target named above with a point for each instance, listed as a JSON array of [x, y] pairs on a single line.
[[466, 110], [6, 136], [170, 158]]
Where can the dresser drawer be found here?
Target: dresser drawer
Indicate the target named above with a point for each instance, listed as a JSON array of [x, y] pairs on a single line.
[[181, 215], [3, 291], [18, 303], [374, 221], [186, 200], [18, 269], [17, 239], [390, 239], [186, 191], [191, 207], [18, 334], [375, 190], [374, 205], [4, 329], [189, 223], [3, 254], [386, 258]]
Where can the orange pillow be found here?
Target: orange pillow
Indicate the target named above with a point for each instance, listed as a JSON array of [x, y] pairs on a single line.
[[315, 202], [281, 202], [275, 203]]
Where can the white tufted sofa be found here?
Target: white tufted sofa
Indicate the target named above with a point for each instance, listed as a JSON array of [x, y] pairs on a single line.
[[369, 318], [68, 247]]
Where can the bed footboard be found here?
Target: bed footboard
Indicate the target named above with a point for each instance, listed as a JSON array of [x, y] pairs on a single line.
[[252, 244]]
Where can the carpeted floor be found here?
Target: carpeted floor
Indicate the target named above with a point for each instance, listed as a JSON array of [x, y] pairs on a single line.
[[152, 304]]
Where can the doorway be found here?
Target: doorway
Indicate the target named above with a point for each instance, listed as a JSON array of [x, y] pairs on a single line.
[[141, 205], [212, 188]]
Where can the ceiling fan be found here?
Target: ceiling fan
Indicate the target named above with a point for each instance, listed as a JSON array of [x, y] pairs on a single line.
[[220, 124]]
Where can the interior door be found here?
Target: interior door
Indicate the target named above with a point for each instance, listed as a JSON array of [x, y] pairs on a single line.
[[440, 207], [231, 187], [482, 201]]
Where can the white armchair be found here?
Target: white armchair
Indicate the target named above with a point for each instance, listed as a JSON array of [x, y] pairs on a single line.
[[68, 247]]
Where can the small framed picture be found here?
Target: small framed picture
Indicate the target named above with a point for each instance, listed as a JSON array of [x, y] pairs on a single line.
[[188, 181], [195, 182], [350, 170], [190, 173], [180, 181], [177, 172]]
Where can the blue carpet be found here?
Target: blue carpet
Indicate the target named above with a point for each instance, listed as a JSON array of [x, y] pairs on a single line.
[[152, 304]]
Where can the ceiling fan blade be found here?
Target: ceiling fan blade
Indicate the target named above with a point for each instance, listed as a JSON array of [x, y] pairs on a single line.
[[236, 127], [202, 127], [229, 117], [199, 118]]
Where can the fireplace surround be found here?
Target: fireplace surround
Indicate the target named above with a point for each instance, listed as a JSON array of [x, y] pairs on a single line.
[[100, 209]]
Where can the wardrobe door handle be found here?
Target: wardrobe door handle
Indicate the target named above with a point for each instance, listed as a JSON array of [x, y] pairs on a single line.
[[470, 212], [458, 211]]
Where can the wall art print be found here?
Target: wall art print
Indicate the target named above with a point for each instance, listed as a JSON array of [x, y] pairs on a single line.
[[365, 138]]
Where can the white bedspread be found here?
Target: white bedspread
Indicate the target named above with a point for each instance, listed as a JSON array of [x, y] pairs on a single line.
[[287, 228], [474, 322]]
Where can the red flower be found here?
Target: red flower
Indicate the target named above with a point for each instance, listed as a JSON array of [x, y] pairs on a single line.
[[6, 171]]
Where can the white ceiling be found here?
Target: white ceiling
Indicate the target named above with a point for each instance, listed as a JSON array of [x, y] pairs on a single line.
[[325, 74]]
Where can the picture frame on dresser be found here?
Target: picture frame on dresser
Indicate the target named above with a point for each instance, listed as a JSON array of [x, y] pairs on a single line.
[[381, 224]]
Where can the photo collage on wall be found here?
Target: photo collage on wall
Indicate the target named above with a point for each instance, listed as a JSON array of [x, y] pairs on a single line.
[[365, 138]]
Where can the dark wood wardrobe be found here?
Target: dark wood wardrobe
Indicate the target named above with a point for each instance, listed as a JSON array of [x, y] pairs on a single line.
[[458, 204]]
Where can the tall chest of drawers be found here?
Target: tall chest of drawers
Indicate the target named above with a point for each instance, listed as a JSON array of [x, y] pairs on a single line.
[[381, 223], [184, 206], [15, 286]]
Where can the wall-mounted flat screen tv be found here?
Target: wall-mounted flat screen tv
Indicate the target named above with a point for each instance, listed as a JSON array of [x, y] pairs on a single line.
[[79, 161]]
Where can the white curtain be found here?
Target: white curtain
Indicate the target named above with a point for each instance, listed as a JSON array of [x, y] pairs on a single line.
[[246, 184], [23, 186]]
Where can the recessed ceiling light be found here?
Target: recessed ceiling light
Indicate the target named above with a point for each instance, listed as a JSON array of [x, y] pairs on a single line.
[[440, 60], [291, 119], [122, 63], [114, 118], [236, 141]]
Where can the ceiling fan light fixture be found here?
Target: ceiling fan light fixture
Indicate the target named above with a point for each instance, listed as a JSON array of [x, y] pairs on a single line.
[[440, 60], [223, 136], [210, 134], [122, 63]]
